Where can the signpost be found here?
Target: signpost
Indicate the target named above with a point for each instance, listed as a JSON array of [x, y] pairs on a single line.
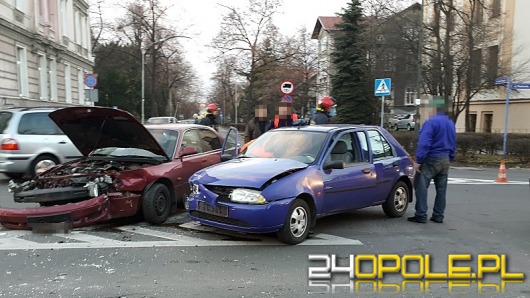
[[91, 81], [516, 86], [287, 87], [382, 88]]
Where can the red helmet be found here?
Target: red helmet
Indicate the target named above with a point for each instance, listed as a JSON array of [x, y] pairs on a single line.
[[326, 102], [211, 107]]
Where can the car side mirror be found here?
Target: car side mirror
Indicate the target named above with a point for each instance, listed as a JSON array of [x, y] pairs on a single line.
[[188, 151], [226, 157], [336, 164]]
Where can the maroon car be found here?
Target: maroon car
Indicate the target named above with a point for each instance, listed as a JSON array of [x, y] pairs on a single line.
[[127, 169]]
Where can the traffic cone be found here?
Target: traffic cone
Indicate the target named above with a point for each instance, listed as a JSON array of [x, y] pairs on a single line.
[[501, 177]]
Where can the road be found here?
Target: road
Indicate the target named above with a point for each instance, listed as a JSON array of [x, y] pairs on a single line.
[[183, 259]]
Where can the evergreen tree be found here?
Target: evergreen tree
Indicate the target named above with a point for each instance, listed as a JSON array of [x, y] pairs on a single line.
[[355, 104]]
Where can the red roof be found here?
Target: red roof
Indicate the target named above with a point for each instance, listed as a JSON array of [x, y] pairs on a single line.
[[325, 23]]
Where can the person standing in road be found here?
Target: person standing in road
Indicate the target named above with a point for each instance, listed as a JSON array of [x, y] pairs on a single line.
[[284, 117], [436, 149], [210, 119], [323, 109], [258, 125]]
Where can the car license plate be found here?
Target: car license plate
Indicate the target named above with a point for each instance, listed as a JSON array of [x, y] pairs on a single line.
[[218, 210]]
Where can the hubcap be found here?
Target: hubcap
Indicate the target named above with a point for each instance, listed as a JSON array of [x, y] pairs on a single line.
[[160, 204], [298, 222], [43, 166], [400, 199]]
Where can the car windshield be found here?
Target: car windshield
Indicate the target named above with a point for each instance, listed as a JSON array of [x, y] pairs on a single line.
[[299, 145], [166, 138]]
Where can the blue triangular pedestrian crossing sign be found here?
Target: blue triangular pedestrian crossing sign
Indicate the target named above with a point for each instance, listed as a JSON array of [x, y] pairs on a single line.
[[382, 87]]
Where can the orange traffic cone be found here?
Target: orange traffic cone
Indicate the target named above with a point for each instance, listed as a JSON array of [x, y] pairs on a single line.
[[501, 177]]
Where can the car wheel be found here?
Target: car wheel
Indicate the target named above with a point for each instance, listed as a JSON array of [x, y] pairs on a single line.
[[296, 225], [396, 128], [42, 163], [156, 204], [398, 200], [409, 128]]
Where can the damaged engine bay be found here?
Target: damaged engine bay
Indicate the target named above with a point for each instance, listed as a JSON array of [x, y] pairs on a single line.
[[72, 182]]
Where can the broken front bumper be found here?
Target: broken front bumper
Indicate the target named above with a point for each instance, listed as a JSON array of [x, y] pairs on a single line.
[[74, 214]]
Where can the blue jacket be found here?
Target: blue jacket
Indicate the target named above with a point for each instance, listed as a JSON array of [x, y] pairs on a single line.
[[437, 138]]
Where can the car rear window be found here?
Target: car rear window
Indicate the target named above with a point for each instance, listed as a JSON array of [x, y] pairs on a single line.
[[37, 124], [4, 120]]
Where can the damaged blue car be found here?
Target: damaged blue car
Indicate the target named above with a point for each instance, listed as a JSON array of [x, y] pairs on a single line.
[[289, 177]]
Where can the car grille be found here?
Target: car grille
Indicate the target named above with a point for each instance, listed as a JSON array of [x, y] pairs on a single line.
[[225, 220], [222, 191]]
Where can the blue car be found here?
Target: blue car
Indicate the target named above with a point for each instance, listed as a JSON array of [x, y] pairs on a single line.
[[289, 177]]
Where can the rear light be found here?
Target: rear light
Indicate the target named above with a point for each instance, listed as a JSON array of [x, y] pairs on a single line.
[[9, 144]]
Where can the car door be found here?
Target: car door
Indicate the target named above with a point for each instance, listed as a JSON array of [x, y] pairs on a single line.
[[231, 144], [386, 164], [351, 187]]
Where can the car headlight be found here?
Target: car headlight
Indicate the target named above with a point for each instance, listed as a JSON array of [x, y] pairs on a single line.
[[247, 196], [194, 189]]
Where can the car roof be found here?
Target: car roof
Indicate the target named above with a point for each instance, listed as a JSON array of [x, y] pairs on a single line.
[[176, 126], [327, 127]]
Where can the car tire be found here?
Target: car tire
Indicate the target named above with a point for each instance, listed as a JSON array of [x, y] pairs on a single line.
[[42, 163], [296, 226], [396, 128], [397, 201], [156, 204], [409, 128]]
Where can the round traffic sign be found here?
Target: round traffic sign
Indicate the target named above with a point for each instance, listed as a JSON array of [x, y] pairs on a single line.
[[287, 87], [91, 81]]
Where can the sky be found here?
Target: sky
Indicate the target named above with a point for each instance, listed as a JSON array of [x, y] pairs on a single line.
[[201, 18]]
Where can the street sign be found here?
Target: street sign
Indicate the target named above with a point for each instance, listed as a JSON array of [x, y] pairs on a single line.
[[516, 86], [382, 87], [91, 80], [501, 81], [287, 87], [287, 98]]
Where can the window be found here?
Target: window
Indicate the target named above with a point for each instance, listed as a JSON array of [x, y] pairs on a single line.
[[493, 64], [343, 150], [410, 95], [472, 123], [488, 120], [209, 140], [191, 139], [495, 8], [77, 27], [37, 124], [363, 145], [43, 11], [22, 72], [380, 146], [68, 82], [478, 12], [20, 5], [53, 79], [64, 19], [43, 76], [476, 62]]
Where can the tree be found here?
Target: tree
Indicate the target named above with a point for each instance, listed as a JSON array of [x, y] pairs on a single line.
[[349, 86]]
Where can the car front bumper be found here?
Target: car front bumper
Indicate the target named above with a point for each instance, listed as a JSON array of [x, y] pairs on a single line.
[[244, 218], [74, 214]]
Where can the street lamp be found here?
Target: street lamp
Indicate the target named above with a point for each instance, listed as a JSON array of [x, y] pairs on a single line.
[[143, 82]]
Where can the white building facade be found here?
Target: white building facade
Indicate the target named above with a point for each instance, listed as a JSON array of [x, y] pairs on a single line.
[[45, 52]]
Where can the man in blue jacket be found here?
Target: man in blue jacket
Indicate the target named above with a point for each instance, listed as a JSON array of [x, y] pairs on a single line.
[[436, 149]]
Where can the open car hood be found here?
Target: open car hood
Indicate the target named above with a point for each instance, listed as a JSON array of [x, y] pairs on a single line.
[[91, 128], [248, 172]]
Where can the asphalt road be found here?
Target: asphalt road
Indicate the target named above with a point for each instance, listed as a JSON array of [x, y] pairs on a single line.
[[183, 259]]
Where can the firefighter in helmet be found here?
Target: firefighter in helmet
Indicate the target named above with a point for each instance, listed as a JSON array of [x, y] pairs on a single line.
[[210, 119], [322, 113]]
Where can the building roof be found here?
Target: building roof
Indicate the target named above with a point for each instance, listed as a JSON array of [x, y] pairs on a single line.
[[325, 23]]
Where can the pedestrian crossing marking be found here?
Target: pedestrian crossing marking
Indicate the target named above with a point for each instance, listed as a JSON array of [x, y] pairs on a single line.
[[86, 239]]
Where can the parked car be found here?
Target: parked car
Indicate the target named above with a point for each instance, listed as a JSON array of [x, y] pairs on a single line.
[[289, 177], [407, 122], [392, 121], [127, 169], [30, 142], [161, 120]]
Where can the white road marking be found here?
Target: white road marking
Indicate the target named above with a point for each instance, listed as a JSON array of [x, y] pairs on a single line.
[[482, 181], [22, 240]]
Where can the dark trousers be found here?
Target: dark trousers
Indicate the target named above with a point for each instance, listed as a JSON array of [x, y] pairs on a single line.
[[436, 169]]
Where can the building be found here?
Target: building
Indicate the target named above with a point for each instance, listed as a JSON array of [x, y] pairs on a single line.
[[324, 32], [498, 47], [45, 52]]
